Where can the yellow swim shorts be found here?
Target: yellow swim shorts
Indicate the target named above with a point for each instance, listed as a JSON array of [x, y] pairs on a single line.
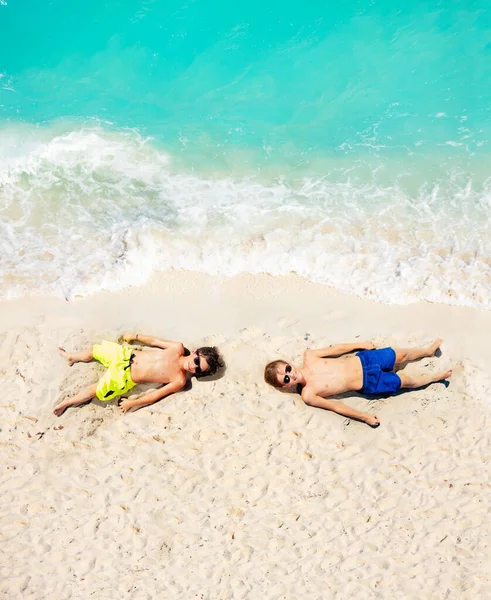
[[117, 379]]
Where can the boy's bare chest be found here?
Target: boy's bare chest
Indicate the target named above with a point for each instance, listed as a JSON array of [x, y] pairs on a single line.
[[328, 377], [156, 366]]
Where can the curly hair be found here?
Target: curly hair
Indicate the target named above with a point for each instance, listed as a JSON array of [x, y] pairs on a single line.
[[213, 358]]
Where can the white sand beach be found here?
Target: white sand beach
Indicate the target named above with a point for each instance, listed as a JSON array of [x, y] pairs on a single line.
[[232, 490]]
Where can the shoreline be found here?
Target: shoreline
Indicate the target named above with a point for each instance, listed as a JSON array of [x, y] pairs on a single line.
[[255, 298], [401, 253], [231, 489]]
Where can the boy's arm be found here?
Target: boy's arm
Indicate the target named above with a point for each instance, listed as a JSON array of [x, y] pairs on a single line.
[[341, 409], [150, 340], [152, 396], [340, 349]]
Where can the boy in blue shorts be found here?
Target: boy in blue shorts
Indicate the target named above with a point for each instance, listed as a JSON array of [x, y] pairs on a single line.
[[326, 372]]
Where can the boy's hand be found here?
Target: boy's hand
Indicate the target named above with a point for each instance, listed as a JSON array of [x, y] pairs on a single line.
[[129, 337], [125, 404], [372, 420]]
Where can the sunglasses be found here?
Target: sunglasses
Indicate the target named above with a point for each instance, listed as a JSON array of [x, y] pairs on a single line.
[[197, 363], [286, 378]]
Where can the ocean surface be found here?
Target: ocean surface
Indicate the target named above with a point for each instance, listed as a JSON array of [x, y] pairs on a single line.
[[346, 142]]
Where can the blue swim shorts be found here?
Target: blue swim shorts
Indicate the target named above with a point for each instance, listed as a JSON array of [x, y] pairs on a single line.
[[378, 375]]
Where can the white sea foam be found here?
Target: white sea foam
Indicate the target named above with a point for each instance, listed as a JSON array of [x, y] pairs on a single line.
[[90, 209]]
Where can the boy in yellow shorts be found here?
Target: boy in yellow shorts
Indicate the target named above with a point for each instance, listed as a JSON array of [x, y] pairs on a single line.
[[165, 363]]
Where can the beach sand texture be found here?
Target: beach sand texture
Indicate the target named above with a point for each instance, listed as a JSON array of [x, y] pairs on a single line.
[[232, 490]]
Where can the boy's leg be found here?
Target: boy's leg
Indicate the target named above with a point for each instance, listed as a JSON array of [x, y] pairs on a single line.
[[75, 357], [80, 398], [420, 381], [404, 355]]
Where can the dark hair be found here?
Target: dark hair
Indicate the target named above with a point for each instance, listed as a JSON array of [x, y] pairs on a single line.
[[213, 358], [270, 373]]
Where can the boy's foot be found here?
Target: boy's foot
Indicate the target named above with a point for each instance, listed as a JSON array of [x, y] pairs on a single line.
[[60, 408], [434, 347], [444, 375], [68, 357]]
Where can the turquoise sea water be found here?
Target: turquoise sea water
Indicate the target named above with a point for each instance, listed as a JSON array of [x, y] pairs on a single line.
[[348, 143]]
